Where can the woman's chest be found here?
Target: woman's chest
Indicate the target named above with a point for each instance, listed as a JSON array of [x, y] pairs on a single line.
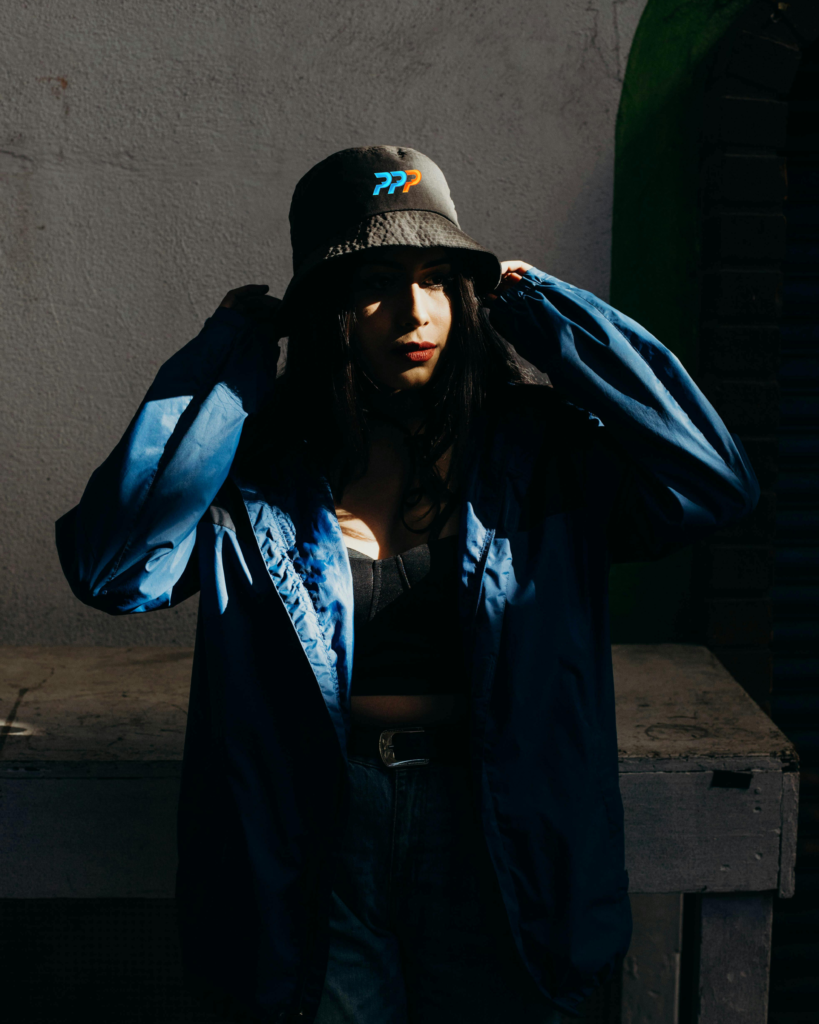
[[388, 510]]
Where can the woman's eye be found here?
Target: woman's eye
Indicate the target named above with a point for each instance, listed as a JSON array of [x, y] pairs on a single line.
[[440, 280], [378, 281]]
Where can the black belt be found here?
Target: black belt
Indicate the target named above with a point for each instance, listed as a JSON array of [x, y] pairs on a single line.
[[406, 745]]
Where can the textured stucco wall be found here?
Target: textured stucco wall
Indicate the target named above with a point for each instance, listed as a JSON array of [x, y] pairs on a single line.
[[148, 152]]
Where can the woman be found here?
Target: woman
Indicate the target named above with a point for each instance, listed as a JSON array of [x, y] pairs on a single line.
[[400, 795]]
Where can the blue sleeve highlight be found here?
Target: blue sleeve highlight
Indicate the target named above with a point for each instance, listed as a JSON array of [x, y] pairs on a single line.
[[127, 543], [682, 474]]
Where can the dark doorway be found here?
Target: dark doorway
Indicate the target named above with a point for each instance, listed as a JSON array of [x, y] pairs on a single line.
[[795, 593]]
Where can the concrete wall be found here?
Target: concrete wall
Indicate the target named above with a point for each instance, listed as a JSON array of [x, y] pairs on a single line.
[[148, 152]]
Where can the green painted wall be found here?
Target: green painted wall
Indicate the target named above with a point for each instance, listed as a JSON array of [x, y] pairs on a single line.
[[655, 250]]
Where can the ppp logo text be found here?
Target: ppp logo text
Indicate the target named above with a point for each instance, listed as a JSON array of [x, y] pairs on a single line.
[[400, 178]]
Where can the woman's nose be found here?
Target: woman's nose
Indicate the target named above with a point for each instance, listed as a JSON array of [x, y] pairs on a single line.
[[416, 311]]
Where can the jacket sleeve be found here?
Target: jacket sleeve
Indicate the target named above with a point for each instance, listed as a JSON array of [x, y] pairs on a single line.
[[676, 473], [127, 546]]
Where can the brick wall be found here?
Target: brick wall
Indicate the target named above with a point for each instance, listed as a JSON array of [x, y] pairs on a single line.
[[759, 352], [743, 190]]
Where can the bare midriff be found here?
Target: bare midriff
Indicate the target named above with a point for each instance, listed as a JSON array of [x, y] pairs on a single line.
[[415, 709]]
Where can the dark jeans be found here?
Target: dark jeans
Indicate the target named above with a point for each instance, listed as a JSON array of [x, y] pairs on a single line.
[[418, 931]]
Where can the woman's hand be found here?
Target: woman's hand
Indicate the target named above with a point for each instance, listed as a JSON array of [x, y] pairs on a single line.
[[250, 300], [511, 271], [250, 371]]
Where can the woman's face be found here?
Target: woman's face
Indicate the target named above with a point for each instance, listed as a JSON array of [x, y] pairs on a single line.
[[403, 313]]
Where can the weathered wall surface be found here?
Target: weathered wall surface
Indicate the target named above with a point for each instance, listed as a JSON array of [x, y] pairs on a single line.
[[148, 153]]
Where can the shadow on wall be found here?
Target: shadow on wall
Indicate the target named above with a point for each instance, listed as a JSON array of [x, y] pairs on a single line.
[[655, 252]]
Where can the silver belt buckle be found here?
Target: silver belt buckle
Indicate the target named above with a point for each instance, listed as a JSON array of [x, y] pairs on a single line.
[[387, 751]]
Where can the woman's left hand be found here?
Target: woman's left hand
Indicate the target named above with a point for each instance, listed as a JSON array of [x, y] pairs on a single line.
[[511, 272]]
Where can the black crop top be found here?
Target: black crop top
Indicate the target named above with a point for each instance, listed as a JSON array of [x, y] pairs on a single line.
[[407, 632]]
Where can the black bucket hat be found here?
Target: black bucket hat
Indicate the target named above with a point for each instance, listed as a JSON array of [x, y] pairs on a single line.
[[372, 196]]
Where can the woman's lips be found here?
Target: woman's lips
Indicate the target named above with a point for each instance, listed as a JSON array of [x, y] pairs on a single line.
[[418, 353]]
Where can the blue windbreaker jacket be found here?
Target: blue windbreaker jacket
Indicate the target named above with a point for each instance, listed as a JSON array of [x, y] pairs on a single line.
[[623, 459]]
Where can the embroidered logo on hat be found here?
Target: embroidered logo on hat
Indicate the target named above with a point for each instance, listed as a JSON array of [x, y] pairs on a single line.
[[400, 179]]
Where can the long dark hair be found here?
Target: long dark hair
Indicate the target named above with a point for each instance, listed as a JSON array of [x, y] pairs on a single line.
[[324, 398]]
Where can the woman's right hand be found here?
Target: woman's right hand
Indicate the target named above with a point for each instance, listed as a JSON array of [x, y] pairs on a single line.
[[250, 300]]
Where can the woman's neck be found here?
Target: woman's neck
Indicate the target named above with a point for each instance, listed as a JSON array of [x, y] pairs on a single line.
[[406, 409]]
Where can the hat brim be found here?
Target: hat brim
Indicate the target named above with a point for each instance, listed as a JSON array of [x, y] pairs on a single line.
[[423, 228]]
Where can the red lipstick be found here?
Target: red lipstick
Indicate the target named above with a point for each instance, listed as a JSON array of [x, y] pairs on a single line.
[[417, 351]]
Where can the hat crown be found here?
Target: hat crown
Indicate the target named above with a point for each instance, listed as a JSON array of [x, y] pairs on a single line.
[[343, 190]]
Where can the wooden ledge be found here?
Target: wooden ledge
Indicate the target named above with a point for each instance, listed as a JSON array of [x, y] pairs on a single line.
[[678, 709]]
